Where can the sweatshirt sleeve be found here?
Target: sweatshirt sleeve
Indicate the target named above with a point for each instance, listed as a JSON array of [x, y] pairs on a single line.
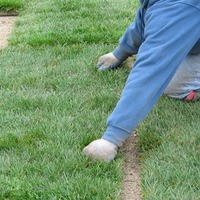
[[130, 42], [167, 42]]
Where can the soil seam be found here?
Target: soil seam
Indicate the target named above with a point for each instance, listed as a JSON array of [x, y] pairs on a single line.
[[131, 188], [6, 27]]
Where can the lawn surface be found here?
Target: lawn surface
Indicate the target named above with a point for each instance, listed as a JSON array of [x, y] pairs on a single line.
[[6, 5], [54, 102]]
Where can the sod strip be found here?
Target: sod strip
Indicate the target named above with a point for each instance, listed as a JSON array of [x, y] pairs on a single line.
[[54, 102]]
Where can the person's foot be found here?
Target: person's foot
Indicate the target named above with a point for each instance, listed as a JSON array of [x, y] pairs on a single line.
[[108, 61], [193, 96], [101, 149]]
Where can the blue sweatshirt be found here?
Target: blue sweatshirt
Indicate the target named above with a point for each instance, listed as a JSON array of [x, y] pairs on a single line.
[[163, 34], [148, 3]]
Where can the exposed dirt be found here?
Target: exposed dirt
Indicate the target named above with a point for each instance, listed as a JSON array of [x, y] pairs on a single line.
[[6, 26], [131, 183], [8, 13], [130, 62]]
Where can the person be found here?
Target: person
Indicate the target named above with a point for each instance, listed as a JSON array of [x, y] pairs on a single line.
[[165, 35]]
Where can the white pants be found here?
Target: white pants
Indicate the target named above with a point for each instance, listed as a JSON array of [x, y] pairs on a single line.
[[186, 79]]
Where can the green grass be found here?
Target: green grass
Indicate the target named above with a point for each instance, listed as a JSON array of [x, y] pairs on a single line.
[[11, 4], [170, 143], [49, 112], [72, 22], [54, 102]]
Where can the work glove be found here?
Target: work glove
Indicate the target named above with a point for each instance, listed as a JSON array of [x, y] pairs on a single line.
[[101, 149], [108, 61]]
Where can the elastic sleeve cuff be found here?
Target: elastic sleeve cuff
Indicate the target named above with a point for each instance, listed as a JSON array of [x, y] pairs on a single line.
[[120, 54], [115, 135]]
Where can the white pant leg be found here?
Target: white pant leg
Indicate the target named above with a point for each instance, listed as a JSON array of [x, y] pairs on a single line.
[[186, 79]]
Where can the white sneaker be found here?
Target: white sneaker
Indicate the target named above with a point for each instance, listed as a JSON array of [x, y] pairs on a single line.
[[101, 149]]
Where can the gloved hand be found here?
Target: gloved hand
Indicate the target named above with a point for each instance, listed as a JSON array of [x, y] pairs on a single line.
[[108, 61], [101, 149]]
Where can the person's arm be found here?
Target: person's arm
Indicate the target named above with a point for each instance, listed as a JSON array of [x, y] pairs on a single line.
[[170, 33], [129, 44], [171, 30]]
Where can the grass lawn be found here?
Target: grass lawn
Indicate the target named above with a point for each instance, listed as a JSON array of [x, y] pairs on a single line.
[[11, 4], [54, 102], [170, 143]]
